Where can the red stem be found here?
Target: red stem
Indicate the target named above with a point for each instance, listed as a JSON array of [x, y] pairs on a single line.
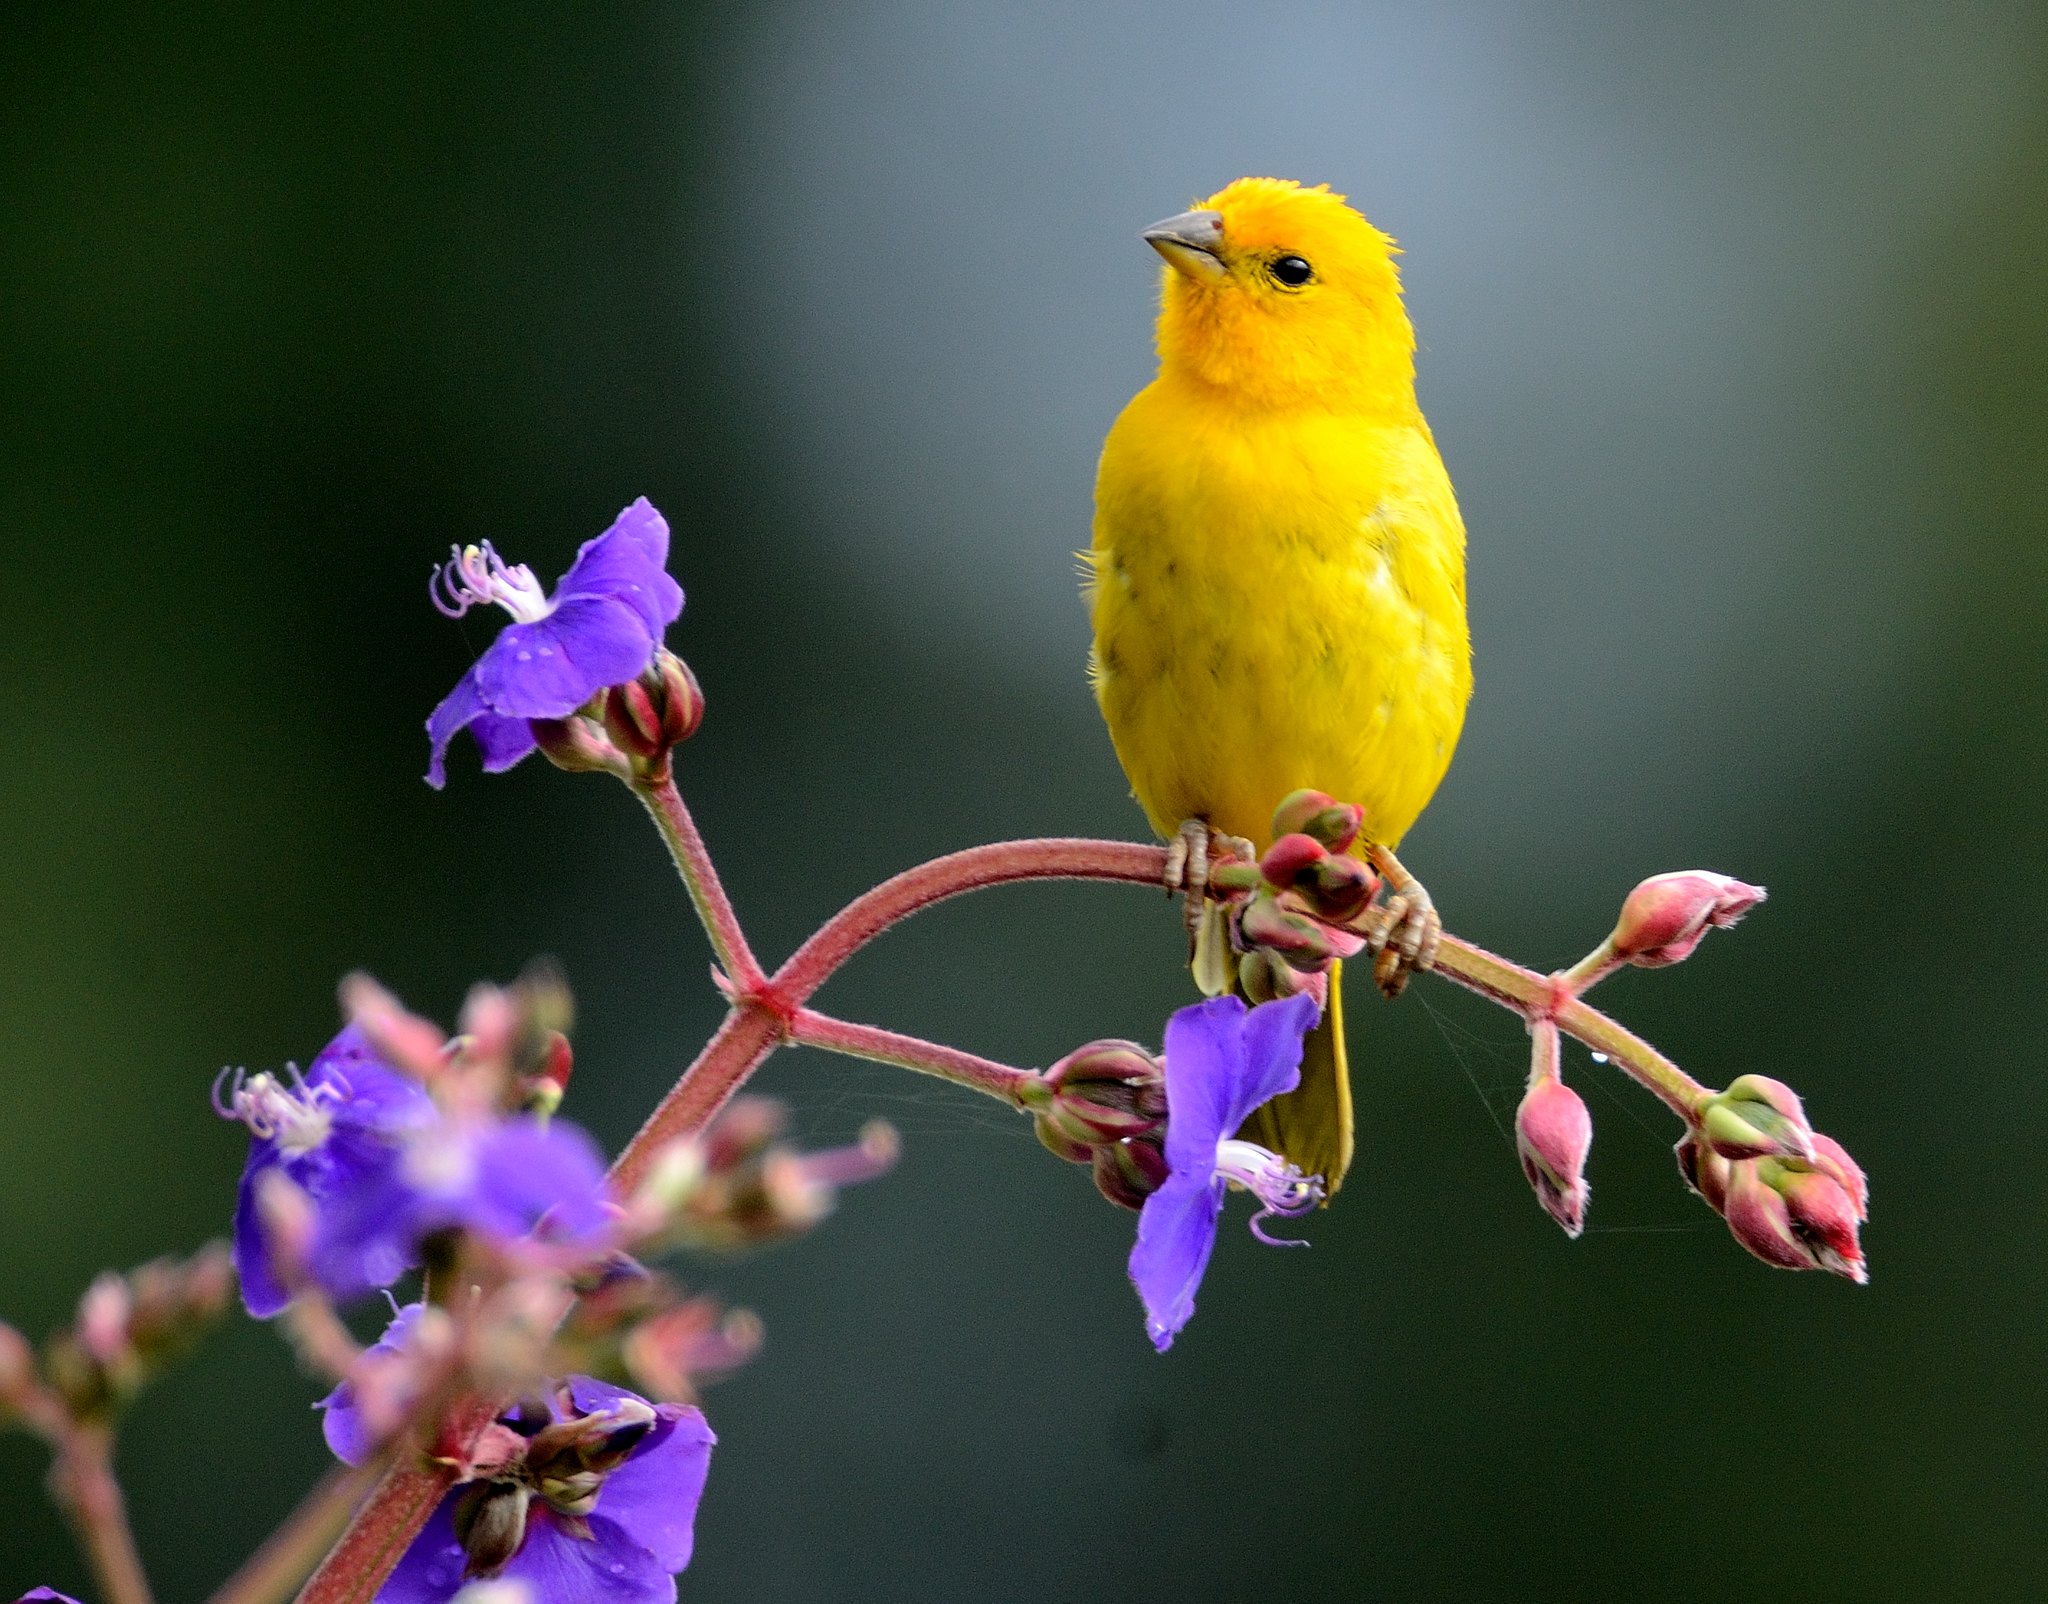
[[976, 869], [693, 861], [813, 1029], [769, 1011], [84, 1486], [743, 1039]]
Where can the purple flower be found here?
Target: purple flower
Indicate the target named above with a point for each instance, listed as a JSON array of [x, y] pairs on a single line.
[[327, 1132], [601, 1508], [1222, 1061], [383, 1168], [352, 1428], [503, 1180], [600, 628], [43, 1595]]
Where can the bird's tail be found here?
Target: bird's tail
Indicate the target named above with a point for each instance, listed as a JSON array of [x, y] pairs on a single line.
[[1311, 1125]]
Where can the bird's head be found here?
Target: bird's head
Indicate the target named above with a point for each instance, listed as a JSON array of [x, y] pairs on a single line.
[[1283, 295]]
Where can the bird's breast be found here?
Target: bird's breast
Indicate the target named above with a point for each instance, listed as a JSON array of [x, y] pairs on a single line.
[[1277, 605]]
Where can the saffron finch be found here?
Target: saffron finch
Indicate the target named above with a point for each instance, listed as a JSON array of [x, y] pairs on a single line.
[[1277, 579]]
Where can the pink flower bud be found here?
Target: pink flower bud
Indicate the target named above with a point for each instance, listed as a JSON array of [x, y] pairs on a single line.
[[1704, 1170], [1267, 922], [1824, 1217], [663, 707], [671, 1353], [1130, 1171], [1289, 858], [1340, 888], [1833, 1161], [402, 1039], [17, 1369], [1313, 813], [1760, 1220], [103, 1318], [1553, 1134], [1756, 1117], [1796, 1217], [1102, 1092], [1665, 917]]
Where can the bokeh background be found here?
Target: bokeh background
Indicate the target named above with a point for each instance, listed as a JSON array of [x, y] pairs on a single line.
[[1735, 326]]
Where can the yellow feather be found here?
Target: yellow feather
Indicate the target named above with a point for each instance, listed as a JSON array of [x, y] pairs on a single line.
[[1277, 581]]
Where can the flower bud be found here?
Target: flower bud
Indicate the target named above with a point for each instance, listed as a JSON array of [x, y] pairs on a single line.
[[1758, 1216], [1289, 858], [1313, 813], [490, 1523], [1340, 888], [1833, 1161], [671, 1353], [1265, 977], [402, 1038], [576, 746], [742, 1131], [1824, 1216], [1704, 1170], [753, 1189], [17, 1369], [1797, 1216], [1756, 1117], [659, 710], [1665, 917], [104, 1314], [1553, 1134], [1130, 1171], [1265, 923], [1102, 1092]]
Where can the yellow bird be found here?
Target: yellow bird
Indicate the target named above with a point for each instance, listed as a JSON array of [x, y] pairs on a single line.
[[1277, 580]]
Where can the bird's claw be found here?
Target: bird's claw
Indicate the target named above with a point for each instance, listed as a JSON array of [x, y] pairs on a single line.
[[1404, 936], [1189, 856]]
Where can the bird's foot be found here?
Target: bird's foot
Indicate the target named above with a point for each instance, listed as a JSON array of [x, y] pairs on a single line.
[[1406, 929], [1189, 855]]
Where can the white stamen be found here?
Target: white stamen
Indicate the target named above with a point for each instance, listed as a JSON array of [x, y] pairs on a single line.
[[476, 575], [298, 1117], [1278, 1185]]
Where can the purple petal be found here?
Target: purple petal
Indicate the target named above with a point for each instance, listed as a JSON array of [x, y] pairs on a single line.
[[430, 1571], [646, 528], [503, 741], [376, 1094], [343, 1426], [1176, 1234], [263, 1294], [43, 1595], [369, 1235], [626, 564], [461, 707], [606, 1568], [549, 668], [1202, 1059], [529, 1174], [1222, 1061], [1270, 1055], [653, 1496]]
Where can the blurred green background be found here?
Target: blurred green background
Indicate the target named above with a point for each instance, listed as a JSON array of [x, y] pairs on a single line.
[[1734, 325]]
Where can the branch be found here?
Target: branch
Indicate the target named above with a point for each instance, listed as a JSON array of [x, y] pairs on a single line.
[[83, 1486], [813, 1029], [769, 1011]]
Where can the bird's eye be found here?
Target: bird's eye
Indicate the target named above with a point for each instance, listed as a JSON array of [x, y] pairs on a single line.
[[1292, 271]]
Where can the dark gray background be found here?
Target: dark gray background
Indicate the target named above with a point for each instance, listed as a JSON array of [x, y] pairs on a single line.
[[1733, 334]]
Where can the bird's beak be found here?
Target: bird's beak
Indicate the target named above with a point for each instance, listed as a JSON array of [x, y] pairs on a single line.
[[1190, 243]]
